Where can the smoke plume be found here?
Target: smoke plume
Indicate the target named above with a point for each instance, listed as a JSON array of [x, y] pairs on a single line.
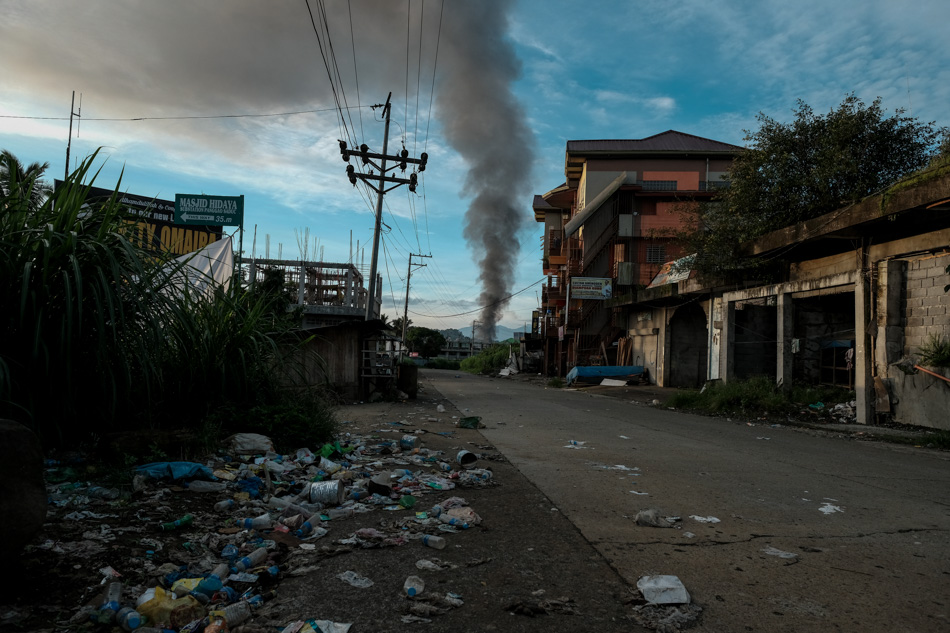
[[484, 122]]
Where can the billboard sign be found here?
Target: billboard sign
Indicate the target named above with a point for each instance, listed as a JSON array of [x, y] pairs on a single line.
[[591, 288], [153, 226], [214, 210]]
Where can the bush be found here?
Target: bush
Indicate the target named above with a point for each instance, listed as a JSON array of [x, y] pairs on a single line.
[[296, 420], [443, 363], [556, 383], [97, 329], [752, 396], [488, 361], [935, 352]]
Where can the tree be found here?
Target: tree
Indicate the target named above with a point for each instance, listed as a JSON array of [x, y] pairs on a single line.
[[796, 171], [396, 325], [22, 184], [426, 342]]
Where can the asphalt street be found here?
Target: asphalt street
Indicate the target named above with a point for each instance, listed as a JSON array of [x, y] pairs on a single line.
[[779, 529]]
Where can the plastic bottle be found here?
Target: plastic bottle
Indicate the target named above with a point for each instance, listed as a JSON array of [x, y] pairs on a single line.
[[185, 521], [253, 559], [436, 511], [235, 613], [98, 492], [413, 586], [199, 485], [309, 525], [224, 506], [459, 523], [435, 542], [128, 618], [341, 513], [263, 522], [110, 604]]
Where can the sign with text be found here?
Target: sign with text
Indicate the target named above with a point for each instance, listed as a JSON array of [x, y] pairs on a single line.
[[213, 210], [591, 288], [150, 223]]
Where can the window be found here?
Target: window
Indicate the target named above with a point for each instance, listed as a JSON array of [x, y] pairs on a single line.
[[656, 254]]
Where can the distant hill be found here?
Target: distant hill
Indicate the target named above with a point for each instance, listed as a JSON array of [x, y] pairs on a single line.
[[502, 333]]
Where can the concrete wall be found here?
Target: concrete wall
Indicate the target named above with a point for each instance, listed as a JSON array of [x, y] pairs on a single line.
[[640, 329], [925, 311]]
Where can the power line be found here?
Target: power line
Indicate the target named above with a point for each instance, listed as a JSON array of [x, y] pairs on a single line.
[[175, 118], [500, 301]]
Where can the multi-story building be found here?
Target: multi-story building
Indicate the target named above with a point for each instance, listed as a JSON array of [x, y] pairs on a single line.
[[610, 228]]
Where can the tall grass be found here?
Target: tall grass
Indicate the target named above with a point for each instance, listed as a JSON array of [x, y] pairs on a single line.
[[488, 360], [753, 396], [94, 337]]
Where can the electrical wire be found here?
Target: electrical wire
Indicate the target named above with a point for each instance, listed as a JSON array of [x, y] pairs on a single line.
[[500, 301], [175, 118], [355, 68]]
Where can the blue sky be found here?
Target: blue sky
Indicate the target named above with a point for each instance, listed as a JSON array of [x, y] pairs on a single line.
[[514, 80]]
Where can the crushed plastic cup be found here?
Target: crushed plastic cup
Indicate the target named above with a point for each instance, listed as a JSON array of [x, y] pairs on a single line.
[[663, 590]]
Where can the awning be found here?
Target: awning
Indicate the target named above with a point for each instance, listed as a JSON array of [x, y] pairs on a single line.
[[674, 272], [584, 214]]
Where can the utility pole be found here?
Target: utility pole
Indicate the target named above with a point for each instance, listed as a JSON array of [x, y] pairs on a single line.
[[402, 160], [405, 311], [471, 349], [69, 143]]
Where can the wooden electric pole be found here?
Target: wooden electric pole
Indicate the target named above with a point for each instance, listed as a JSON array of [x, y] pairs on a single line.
[[402, 160], [405, 310]]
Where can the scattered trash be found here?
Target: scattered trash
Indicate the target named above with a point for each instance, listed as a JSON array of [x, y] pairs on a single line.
[[249, 444], [326, 626], [666, 618], [663, 590], [471, 422], [771, 551], [818, 406], [413, 586], [466, 459], [828, 508], [704, 519], [642, 494], [651, 518], [575, 444], [355, 579]]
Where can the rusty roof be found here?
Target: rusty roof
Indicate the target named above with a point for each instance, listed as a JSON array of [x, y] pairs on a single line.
[[669, 141]]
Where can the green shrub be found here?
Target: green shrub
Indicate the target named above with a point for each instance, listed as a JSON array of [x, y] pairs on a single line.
[[298, 419], [556, 383], [443, 363], [755, 396], [95, 329], [487, 361], [935, 352]]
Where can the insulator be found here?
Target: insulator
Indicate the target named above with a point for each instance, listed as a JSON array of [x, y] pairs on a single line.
[[423, 158], [351, 174]]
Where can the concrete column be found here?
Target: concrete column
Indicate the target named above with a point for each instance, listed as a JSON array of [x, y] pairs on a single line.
[[727, 369], [890, 333], [863, 380], [663, 359], [785, 330]]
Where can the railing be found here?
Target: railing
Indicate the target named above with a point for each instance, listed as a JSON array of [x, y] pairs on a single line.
[[658, 185]]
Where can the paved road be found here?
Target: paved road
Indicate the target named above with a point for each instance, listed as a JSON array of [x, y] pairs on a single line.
[[813, 533]]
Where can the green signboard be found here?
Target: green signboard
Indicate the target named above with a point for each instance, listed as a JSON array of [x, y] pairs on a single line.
[[209, 210]]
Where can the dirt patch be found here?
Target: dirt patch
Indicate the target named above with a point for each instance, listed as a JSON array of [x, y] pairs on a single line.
[[522, 567]]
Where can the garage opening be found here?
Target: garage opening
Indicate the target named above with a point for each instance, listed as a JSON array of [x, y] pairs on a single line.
[[689, 347], [755, 352], [823, 347]]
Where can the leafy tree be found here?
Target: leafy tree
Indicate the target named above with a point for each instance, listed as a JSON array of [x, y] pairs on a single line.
[[396, 325], [23, 184], [815, 164], [426, 342]]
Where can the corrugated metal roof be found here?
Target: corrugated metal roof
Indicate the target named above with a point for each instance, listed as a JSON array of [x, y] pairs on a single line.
[[669, 141]]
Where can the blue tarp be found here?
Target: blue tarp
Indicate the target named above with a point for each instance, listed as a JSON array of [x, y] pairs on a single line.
[[586, 374], [176, 470]]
